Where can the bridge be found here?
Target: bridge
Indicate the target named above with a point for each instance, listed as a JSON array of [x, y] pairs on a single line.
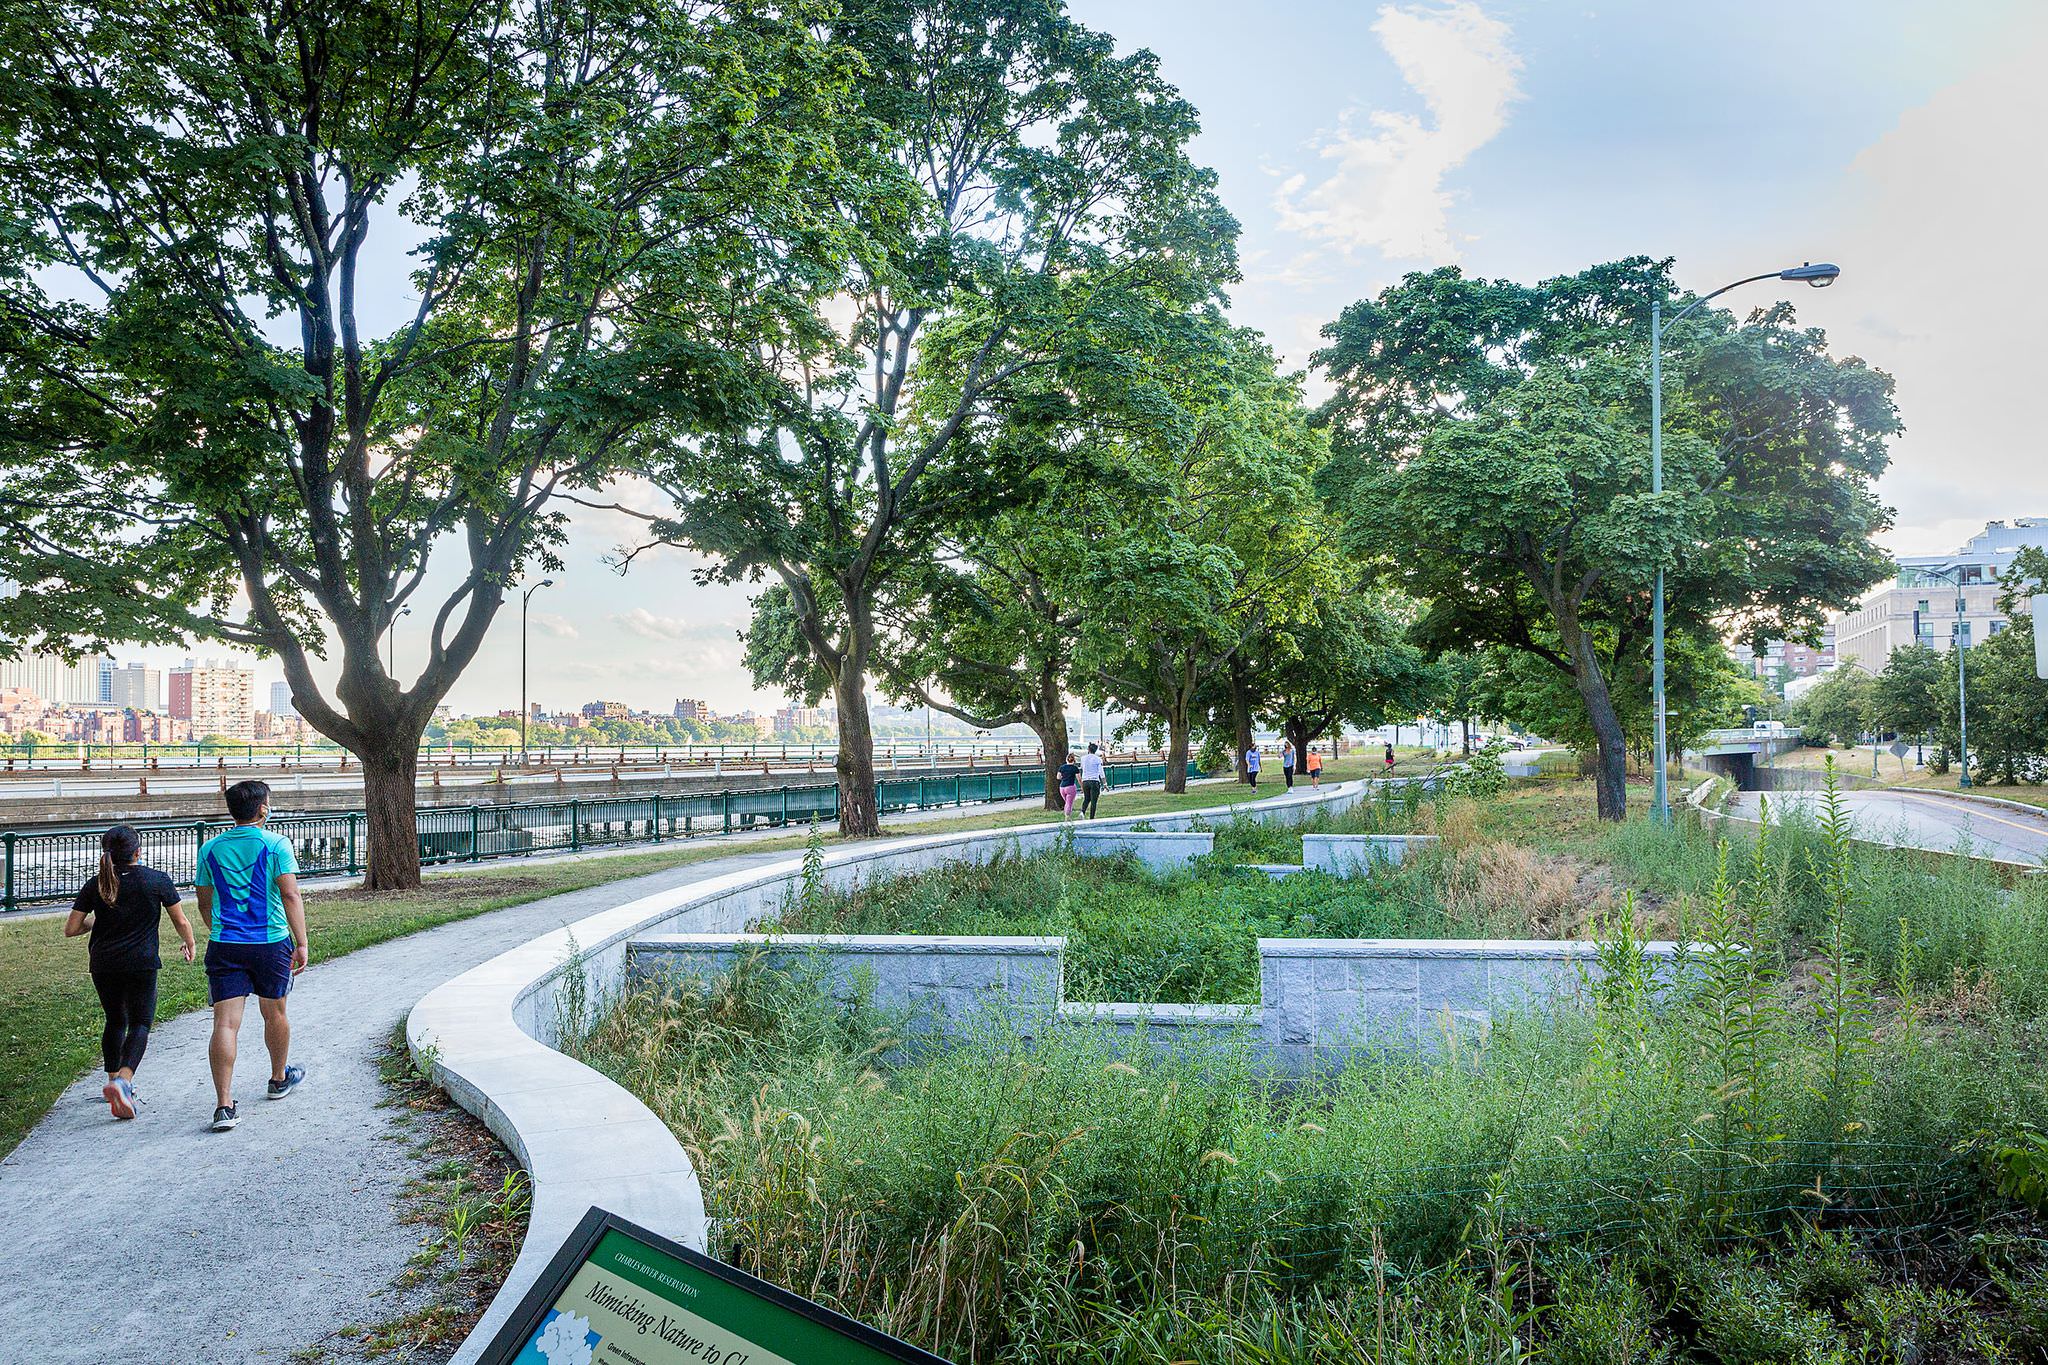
[[1737, 753]]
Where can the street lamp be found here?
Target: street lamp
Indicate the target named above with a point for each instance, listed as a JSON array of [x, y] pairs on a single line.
[[524, 709], [1818, 276], [1955, 576], [391, 643]]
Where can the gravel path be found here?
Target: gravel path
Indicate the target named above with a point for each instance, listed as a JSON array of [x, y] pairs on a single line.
[[158, 1241]]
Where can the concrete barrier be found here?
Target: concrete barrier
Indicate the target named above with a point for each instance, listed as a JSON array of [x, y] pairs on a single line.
[[1348, 855], [939, 980], [1159, 851]]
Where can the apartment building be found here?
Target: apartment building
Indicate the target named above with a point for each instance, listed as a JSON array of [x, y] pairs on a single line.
[[216, 698]]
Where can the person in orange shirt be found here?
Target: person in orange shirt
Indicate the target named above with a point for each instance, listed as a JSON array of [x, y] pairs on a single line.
[[1315, 767]]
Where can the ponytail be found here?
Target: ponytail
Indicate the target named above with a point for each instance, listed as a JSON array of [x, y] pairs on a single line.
[[118, 848]]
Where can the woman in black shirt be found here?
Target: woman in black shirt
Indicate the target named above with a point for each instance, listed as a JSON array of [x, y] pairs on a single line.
[[121, 908]]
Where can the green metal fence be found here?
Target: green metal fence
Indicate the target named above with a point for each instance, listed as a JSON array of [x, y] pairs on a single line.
[[40, 866]]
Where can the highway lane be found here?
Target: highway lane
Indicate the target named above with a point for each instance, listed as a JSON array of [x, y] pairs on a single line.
[[1916, 820]]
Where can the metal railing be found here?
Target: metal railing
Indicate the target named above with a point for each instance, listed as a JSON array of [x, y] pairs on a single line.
[[38, 866]]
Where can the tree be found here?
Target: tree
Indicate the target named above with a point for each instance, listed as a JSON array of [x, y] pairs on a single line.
[[1348, 663], [1491, 455], [1217, 545], [1055, 219], [1704, 690], [988, 636], [1903, 696], [214, 441], [2008, 700], [1837, 707]]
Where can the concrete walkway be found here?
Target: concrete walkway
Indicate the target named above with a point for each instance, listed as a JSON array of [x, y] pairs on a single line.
[[158, 1241]]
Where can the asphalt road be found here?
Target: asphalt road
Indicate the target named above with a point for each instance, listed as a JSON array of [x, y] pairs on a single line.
[[1915, 820]]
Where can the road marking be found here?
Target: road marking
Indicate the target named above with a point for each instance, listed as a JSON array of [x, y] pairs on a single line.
[[1972, 813]]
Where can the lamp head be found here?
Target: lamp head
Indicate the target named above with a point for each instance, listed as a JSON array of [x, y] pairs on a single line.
[[1819, 276]]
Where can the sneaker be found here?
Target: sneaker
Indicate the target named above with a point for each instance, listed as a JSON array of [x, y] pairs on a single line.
[[226, 1117], [294, 1076], [120, 1098]]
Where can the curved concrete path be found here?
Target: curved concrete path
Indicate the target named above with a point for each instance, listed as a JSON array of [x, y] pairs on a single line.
[[158, 1241], [1910, 819]]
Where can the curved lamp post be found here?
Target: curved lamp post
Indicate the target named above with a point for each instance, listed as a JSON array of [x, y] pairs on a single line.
[[391, 643], [1818, 276], [524, 709]]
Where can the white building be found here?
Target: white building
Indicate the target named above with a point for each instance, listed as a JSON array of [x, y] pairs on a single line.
[[219, 699], [281, 699], [54, 680], [1923, 602], [136, 687]]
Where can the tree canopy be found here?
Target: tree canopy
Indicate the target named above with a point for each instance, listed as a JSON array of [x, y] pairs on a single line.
[[1491, 457]]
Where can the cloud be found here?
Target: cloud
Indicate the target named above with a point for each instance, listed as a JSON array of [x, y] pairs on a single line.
[[1387, 191], [672, 629], [1924, 209], [560, 627]]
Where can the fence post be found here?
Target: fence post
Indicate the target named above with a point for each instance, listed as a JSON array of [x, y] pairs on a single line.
[[785, 805], [575, 827], [657, 817], [7, 897], [725, 811], [352, 818], [476, 851]]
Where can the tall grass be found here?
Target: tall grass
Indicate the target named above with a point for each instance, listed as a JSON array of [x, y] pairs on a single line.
[[1078, 1196]]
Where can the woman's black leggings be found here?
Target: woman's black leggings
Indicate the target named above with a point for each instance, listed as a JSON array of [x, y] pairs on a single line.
[[129, 999]]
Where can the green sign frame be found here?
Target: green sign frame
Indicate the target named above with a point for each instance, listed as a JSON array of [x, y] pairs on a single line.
[[618, 1294]]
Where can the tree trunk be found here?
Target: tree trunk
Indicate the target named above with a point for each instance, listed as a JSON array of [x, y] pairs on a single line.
[[1240, 720], [1177, 749], [1465, 723], [1051, 729], [859, 815], [390, 818], [1610, 777]]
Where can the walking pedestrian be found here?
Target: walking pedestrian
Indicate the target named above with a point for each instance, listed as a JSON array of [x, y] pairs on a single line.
[[1390, 758], [1315, 767], [1287, 762], [1070, 783], [1091, 781], [248, 888], [1251, 765], [122, 908]]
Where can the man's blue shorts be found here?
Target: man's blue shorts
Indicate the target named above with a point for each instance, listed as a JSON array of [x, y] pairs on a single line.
[[234, 970]]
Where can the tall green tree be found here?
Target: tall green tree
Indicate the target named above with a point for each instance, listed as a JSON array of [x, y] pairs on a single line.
[[1491, 455], [1056, 219], [1347, 662], [1838, 707], [208, 435], [2008, 700], [1903, 697], [1217, 545]]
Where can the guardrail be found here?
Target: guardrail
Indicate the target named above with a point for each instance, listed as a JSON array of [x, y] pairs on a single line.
[[38, 866]]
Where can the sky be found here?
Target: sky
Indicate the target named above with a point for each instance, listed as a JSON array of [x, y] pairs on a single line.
[[1524, 139]]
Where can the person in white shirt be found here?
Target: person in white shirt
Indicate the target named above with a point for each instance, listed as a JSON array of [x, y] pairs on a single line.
[[1091, 781]]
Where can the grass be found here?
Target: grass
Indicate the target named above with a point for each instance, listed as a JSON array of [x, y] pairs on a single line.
[[1823, 1149], [1724, 1179]]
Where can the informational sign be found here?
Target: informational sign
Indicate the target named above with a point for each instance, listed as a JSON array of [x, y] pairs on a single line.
[[617, 1294], [1898, 748]]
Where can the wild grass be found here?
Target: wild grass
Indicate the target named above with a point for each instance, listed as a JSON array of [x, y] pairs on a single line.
[[1597, 1175]]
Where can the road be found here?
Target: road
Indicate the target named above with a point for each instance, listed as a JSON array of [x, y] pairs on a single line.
[[1916, 820]]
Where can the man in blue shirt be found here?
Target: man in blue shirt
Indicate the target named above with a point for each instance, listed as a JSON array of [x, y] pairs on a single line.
[[249, 900]]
